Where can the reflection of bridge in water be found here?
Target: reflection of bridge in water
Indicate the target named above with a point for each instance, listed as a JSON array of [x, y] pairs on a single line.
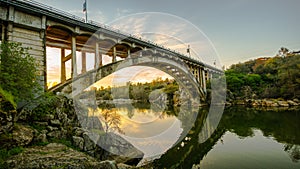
[[39, 26]]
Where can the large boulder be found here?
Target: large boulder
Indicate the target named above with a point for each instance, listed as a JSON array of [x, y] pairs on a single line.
[[119, 149], [20, 136], [283, 103], [56, 156]]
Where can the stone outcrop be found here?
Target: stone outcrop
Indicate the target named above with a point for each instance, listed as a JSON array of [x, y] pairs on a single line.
[[62, 124], [267, 103], [87, 134], [55, 156]]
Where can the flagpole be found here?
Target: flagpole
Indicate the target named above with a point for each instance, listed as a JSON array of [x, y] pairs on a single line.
[[85, 10]]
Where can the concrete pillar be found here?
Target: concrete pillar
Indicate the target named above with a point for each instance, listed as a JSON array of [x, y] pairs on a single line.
[[97, 60], [114, 54], [83, 61], [63, 66], [204, 80], [128, 53], [74, 61], [141, 53], [98, 57], [10, 31], [199, 75], [11, 19], [2, 32]]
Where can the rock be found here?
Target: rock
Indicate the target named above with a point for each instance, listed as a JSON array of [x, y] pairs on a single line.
[[269, 103], [94, 123], [41, 138], [6, 121], [292, 103], [78, 142], [50, 128], [79, 131], [22, 135], [283, 103], [124, 166], [54, 134], [55, 122], [47, 117], [56, 156], [120, 149], [89, 141], [240, 102], [41, 123]]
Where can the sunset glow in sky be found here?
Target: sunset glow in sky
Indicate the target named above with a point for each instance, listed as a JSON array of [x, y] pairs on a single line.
[[239, 30]]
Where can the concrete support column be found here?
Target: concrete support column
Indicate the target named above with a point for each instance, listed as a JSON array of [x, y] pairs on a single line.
[[98, 57], [11, 19], [63, 66], [97, 60], [199, 75], [204, 80], [141, 53], [9, 31], [2, 32], [83, 61], [74, 61], [128, 53], [114, 54]]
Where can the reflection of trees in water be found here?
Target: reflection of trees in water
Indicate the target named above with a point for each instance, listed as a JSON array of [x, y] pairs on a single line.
[[293, 151], [111, 119], [283, 126]]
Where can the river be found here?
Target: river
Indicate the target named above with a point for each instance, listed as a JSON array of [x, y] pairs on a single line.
[[244, 138]]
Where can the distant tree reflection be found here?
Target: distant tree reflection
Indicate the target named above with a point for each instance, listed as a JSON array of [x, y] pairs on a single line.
[[111, 120], [293, 151]]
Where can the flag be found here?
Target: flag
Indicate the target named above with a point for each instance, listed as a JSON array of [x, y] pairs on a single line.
[[84, 6]]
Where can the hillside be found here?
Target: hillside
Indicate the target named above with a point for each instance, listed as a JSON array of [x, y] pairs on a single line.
[[275, 77]]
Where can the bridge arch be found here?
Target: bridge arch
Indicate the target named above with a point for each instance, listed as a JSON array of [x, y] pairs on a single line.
[[174, 68]]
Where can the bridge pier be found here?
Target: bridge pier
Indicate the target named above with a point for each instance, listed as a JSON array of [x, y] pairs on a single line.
[[114, 54], [204, 80], [63, 66], [74, 61], [98, 56], [83, 62], [128, 53]]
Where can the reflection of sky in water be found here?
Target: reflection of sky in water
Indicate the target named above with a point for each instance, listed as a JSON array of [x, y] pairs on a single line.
[[151, 132]]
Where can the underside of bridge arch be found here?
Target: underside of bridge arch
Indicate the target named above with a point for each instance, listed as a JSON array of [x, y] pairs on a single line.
[[57, 36], [178, 71]]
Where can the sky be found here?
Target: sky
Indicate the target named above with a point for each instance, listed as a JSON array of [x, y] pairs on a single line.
[[226, 31], [238, 29]]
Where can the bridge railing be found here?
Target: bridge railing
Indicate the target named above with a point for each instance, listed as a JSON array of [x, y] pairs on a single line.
[[104, 26], [51, 9]]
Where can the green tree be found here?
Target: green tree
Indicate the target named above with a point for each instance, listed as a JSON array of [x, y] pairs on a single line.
[[18, 71]]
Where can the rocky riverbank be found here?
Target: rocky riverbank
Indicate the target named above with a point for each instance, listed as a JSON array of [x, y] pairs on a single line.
[[265, 102], [51, 135]]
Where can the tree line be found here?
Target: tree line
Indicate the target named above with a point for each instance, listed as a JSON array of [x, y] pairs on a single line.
[[276, 77], [139, 91]]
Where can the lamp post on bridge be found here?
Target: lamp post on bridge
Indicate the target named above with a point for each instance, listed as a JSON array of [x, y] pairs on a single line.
[[188, 50]]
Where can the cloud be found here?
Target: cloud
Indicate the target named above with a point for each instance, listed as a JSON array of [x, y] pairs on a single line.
[[171, 32]]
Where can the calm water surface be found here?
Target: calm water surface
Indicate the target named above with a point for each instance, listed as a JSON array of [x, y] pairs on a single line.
[[244, 138]]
